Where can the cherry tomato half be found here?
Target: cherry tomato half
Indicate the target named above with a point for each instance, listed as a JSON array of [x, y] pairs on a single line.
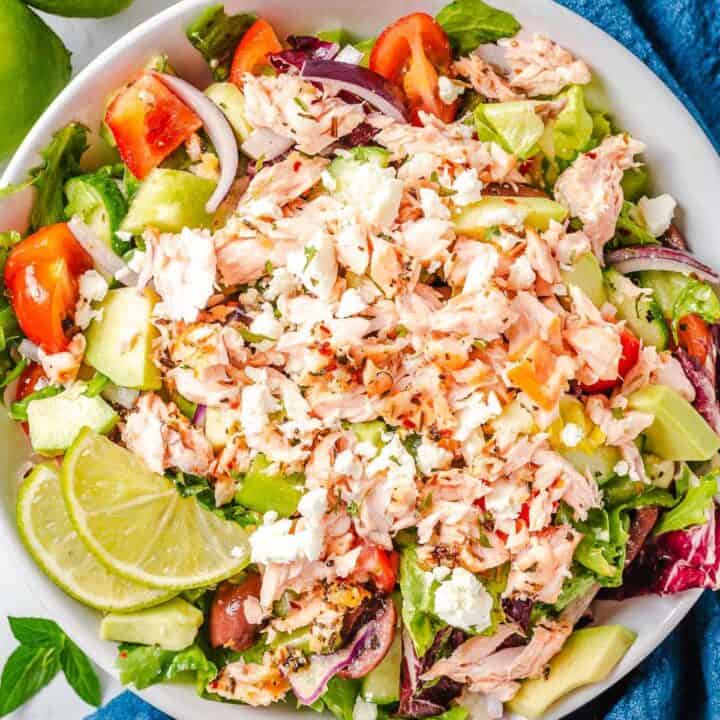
[[409, 53], [695, 337], [41, 275], [149, 122], [252, 51], [628, 358], [379, 566]]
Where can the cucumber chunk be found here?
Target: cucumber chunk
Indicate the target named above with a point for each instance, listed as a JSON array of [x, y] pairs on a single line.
[[99, 202], [382, 685], [264, 489], [586, 273], [170, 200], [588, 656], [642, 312], [537, 212], [119, 344], [55, 422], [231, 101], [666, 285]]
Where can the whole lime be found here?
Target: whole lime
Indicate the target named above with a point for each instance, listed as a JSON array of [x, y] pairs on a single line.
[[34, 67], [81, 8]]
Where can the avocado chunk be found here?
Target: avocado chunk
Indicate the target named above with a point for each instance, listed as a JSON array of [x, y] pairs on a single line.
[[586, 274], [170, 200], [678, 432], [55, 422], [265, 489], [119, 343], [382, 684], [642, 312], [172, 625], [600, 463], [587, 657], [475, 219], [231, 101]]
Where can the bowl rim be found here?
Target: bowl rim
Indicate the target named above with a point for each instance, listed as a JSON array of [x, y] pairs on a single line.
[[163, 696]]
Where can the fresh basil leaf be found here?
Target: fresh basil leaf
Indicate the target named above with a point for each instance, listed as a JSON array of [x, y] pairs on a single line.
[[215, 35], [27, 670], [80, 673], [469, 23], [37, 632]]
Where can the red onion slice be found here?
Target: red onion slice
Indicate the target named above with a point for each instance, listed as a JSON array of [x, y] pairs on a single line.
[[310, 683], [106, 261], [657, 257], [266, 144], [199, 416], [366, 84], [218, 129]]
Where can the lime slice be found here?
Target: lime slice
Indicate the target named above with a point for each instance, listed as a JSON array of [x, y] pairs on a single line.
[[51, 539], [137, 524]]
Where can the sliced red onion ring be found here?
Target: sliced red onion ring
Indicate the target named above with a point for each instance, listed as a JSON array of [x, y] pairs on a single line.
[[218, 129], [349, 54], [366, 84], [657, 257], [266, 144], [310, 683], [106, 261], [199, 416]]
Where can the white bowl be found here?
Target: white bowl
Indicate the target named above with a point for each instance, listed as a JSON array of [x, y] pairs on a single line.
[[681, 157]]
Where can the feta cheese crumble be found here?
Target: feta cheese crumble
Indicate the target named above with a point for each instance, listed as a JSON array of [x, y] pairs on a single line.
[[463, 602], [449, 90], [468, 189], [431, 456], [657, 212], [571, 435]]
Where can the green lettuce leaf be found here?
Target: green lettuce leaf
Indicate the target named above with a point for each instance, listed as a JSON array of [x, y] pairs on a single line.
[[61, 161], [697, 298], [469, 23], [145, 665], [340, 696], [693, 508], [635, 183], [215, 35], [417, 590], [630, 228], [573, 127]]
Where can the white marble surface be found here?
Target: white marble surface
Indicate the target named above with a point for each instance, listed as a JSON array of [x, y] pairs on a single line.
[[85, 38]]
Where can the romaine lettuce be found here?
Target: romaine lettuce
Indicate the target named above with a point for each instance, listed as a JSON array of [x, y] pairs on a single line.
[[469, 23], [573, 127], [693, 508]]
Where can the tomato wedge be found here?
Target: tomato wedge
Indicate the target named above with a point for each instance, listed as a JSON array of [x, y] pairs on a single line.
[[149, 122], [409, 53], [253, 49], [628, 358], [379, 566], [41, 275], [695, 337]]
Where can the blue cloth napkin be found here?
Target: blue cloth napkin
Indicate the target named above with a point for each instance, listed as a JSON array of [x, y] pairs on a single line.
[[680, 41]]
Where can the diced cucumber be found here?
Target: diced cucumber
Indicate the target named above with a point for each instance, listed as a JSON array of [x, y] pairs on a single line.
[[231, 101], [345, 169], [370, 432], [298, 639], [219, 424], [475, 219], [642, 312], [586, 274], [600, 463], [265, 490], [382, 685], [55, 422], [170, 200], [119, 343], [666, 285], [515, 124], [99, 202]]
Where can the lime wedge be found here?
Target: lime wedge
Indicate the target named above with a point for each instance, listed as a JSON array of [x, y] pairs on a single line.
[[136, 523], [51, 539]]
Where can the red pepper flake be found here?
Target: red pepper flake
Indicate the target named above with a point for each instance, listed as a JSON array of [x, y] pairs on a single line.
[[297, 165], [123, 654], [325, 349], [592, 155], [525, 167], [503, 536], [409, 424], [525, 513]]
